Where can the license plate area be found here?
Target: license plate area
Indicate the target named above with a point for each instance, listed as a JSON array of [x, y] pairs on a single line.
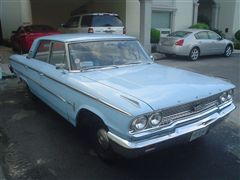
[[198, 133]]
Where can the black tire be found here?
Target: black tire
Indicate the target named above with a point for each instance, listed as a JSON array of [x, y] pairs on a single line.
[[168, 55], [228, 51], [194, 54], [102, 144]]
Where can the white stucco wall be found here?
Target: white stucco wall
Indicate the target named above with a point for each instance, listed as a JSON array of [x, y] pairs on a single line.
[[184, 14], [236, 22], [132, 21], [226, 16], [10, 15]]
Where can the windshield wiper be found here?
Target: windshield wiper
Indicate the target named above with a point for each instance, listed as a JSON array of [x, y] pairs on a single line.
[[99, 67]]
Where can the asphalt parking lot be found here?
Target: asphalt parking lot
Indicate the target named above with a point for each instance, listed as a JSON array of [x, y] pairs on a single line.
[[36, 143]]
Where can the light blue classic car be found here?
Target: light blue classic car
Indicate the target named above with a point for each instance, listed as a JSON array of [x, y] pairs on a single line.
[[109, 84]]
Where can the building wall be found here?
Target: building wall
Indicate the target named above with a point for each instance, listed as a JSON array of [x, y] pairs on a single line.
[[132, 21], [226, 16], [184, 14], [236, 21], [10, 14]]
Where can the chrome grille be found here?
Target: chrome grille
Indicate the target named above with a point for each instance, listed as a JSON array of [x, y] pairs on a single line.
[[176, 113]]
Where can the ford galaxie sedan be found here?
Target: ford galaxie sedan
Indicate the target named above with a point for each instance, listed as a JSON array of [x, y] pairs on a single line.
[[109, 84]]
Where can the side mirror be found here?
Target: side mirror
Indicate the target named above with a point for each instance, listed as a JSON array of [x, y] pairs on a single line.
[[29, 55], [152, 58], [62, 25], [220, 38], [14, 32]]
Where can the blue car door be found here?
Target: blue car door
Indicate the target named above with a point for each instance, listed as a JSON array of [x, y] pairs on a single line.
[[53, 79]]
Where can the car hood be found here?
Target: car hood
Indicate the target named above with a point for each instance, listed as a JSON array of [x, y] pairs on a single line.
[[159, 86]]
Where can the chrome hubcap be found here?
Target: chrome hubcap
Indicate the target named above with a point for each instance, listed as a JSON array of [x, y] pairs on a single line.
[[229, 51], [103, 138], [194, 54]]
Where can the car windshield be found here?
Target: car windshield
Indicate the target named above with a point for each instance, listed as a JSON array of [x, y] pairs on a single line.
[[101, 21], [180, 34], [101, 54]]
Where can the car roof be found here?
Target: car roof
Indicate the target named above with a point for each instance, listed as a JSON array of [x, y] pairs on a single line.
[[195, 30], [95, 13], [85, 37]]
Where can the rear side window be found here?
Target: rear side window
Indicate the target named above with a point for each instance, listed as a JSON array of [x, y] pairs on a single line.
[[101, 21], [43, 51], [72, 22], [86, 21], [201, 35], [180, 34]]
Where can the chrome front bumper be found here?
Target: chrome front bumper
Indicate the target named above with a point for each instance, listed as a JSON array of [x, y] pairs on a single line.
[[122, 146]]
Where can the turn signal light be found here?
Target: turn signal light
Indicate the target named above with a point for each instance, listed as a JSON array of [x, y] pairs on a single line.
[[90, 30], [124, 31]]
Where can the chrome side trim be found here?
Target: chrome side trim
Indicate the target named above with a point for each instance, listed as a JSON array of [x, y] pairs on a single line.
[[46, 89], [205, 122], [84, 93]]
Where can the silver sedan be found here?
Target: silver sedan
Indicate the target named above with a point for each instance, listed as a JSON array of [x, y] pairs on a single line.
[[194, 43]]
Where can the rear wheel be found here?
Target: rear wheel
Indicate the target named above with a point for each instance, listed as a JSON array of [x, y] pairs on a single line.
[[194, 54], [168, 55], [228, 51]]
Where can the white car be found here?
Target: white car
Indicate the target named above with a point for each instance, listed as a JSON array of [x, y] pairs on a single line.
[[94, 23], [195, 43]]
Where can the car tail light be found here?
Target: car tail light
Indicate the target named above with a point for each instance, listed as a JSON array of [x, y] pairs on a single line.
[[90, 30], [124, 31], [179, 42]]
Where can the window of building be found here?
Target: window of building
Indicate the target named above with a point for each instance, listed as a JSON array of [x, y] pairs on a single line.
[[161, 19]]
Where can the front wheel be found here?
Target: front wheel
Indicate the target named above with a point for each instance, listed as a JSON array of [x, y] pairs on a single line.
[[228, 51], [194, 54], [102, 144]]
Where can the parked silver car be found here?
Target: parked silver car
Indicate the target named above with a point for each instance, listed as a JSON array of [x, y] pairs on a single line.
[[194, 43]]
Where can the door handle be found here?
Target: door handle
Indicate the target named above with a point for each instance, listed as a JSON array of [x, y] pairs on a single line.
[[26, 66], [41, 74]]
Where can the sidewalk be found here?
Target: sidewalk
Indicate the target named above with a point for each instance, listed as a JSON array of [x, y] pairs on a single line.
[[5, 52]]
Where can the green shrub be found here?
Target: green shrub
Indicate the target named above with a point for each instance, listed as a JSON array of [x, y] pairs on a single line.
[[155, 35], [222, 34], [199, 26], [237, 45], [237, 35]]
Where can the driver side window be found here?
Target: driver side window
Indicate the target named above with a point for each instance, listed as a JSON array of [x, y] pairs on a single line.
[[213, 36]]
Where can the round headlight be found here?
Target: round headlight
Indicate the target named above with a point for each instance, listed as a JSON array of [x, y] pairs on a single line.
[[230, 94], [139, 123], [223, 97], [155, 119]]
